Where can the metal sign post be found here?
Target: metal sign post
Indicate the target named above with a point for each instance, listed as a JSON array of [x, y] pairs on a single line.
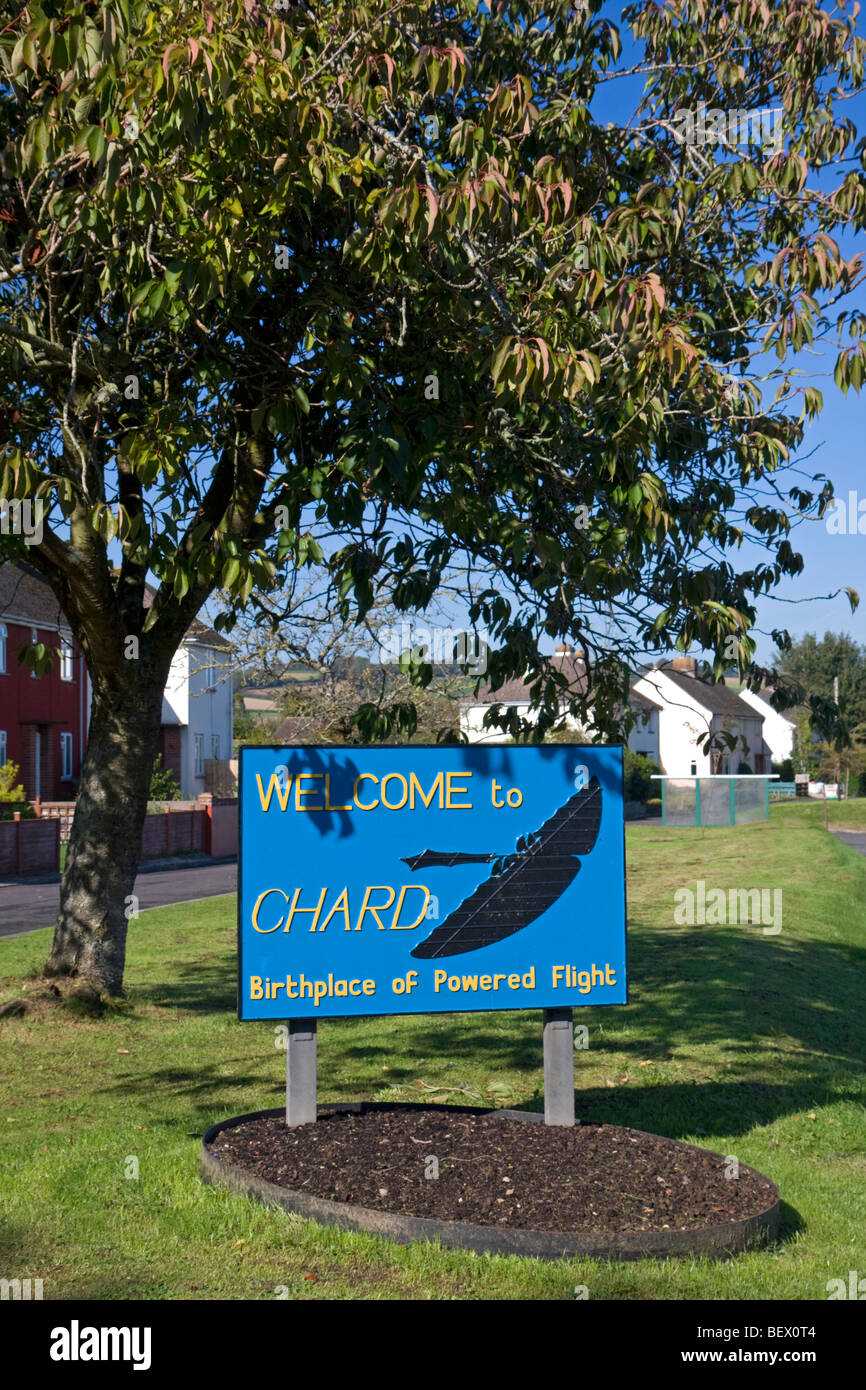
[[301, 1072], [558, 1037]]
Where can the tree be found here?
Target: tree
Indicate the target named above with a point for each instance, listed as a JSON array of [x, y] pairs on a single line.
[[366, 672], [814, 663], [377, 268]]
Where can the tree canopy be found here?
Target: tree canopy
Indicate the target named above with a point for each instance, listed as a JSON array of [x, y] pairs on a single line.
[[375, 270]]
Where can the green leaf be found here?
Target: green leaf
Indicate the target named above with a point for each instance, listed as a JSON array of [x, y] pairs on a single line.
[[96, 144]]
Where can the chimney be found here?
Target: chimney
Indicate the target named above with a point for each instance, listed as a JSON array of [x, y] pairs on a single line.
[[686, 664]]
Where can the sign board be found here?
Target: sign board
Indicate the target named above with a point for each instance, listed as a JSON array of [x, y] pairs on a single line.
[[429, 879]]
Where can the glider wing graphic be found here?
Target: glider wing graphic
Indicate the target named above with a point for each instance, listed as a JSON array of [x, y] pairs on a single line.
[[522, 885]]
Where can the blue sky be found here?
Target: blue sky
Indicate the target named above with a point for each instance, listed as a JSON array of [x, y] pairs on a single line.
[[835, 443]]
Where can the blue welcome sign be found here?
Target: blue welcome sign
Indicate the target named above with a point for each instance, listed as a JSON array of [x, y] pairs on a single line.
[[429, 879]]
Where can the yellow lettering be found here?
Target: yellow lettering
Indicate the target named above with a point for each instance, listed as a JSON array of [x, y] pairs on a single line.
[[438, 783], [395, 777], [299, 790], [282, 792], [407, 888], [256, 991], [455, 788], [341, 905], [255, 914], [328, 806], [360, 804], [315, 910], [380, 907]]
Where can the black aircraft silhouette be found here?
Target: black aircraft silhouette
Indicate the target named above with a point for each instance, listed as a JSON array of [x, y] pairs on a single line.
[[521, 886]]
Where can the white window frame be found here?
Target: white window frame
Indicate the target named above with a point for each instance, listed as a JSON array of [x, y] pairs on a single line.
[[4, 633], [198, 754], [66, 659], [210, 675], [66, 757], [215, 746]]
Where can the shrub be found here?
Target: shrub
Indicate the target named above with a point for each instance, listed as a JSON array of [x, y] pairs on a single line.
[[163, 784], [639, 785], [8, 789]]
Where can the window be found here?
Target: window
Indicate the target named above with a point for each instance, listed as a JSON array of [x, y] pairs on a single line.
[[693, 770], [3, 636], [34, 641], [198, 746], [65, 659], [210, 674], [66, 756], [214, 745], [2, 746]]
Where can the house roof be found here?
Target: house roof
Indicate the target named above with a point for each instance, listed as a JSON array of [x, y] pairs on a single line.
[[27, 597], [516, 691], [297, 728], [718, 699]]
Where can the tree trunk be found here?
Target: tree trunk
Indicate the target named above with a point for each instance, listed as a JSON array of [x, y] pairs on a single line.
[[105, 841]]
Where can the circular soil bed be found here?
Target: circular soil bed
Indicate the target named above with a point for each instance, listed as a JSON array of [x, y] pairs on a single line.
[[496, 1180]]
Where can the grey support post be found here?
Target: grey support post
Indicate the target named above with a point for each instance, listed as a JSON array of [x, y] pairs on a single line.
[[301, 1071], [558, 1067]]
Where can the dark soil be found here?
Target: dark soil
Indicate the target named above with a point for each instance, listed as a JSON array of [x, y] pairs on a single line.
[[496, 1172]]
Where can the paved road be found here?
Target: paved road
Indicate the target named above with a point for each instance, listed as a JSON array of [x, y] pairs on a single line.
[[26, 907], [855, 838]]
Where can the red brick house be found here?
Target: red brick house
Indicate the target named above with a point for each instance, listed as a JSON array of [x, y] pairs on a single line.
[[43, 719]]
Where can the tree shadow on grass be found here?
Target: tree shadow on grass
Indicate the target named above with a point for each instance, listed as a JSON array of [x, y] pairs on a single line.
[[796, 1001], [198, 988], [730, 986]]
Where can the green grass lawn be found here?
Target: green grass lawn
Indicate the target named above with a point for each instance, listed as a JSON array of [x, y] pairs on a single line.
[[751, 1045]]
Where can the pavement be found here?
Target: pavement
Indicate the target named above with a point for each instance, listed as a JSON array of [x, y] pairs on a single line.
[[855, 838], [28, 904]]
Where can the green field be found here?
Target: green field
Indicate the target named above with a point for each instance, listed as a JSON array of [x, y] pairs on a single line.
[[750, 1044]]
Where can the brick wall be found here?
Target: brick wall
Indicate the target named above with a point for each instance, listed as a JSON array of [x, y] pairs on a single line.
[[170, 832], [29, 847], [209, 826]]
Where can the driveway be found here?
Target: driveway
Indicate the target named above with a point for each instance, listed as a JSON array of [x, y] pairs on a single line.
[[25, 907], [855, 838]]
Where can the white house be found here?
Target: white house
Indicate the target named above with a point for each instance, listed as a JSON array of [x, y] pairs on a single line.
[[197, 721], [514, 695], [688, 709], [779, 731], [197, 708]]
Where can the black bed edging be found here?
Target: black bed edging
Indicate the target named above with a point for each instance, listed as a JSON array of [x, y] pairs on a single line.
[[714, 1242]]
